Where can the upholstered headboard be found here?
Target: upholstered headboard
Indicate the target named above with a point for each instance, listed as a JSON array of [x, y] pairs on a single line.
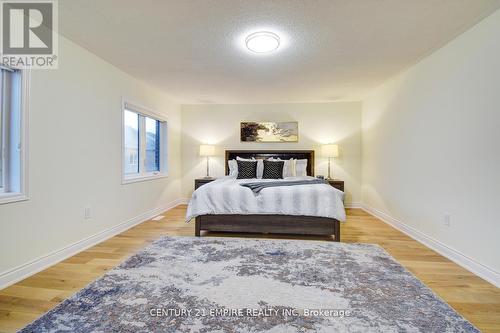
[[282, 154]]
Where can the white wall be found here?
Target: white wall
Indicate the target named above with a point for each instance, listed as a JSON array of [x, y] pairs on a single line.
[[318, 123], [75, 158], [431, 145]]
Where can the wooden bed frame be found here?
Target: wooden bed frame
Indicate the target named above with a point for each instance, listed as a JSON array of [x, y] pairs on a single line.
[[277, 224]]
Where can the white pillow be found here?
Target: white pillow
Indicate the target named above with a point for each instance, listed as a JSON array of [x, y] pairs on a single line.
[[289, 168], [260, 168], [245, 159], [233, 167], [301, 168]]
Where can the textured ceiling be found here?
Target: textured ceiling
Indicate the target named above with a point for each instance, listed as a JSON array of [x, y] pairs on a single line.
[[332, 49]]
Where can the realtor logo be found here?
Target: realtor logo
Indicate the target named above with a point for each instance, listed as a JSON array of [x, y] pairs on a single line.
[[29, 38]]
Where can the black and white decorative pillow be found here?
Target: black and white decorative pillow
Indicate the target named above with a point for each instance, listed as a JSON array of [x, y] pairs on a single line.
[[247, 169], [273, 169]]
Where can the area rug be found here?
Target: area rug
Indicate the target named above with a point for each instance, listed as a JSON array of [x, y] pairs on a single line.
[[185, 284]]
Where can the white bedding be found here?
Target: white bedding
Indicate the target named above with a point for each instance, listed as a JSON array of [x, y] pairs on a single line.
[[226, 196]]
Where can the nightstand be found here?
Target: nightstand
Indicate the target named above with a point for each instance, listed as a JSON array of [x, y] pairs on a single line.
[[202, 181], [338, 184]]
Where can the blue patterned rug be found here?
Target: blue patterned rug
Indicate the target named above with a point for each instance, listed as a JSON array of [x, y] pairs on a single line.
[[184, 284]]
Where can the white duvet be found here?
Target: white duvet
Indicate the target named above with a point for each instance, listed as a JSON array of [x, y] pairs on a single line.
[[226, 196]]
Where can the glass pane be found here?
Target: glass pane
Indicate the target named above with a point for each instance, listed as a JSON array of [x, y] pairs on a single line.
[[1, 132], [10, 131], [131, 142], [12, 120], [152, 145]]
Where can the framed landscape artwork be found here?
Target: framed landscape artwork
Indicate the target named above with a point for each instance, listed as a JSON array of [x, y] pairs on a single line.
[[269, 131]]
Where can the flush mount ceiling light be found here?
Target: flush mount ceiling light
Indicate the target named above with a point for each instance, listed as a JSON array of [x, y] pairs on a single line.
[[262, 42]]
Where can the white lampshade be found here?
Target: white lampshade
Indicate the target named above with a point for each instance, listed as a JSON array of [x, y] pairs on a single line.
[[207, 150], [330, 150]]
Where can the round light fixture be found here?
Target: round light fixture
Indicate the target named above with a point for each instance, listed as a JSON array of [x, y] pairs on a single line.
[[262, 42]]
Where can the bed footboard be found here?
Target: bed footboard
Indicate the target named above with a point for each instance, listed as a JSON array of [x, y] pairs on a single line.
[[276, 224]]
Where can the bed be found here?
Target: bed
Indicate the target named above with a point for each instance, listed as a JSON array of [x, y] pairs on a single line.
[[225, 206]]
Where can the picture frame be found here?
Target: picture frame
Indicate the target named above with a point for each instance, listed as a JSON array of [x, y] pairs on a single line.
[[269, 131]]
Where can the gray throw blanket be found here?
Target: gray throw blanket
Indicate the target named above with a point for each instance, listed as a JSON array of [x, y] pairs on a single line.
[[256, 187]]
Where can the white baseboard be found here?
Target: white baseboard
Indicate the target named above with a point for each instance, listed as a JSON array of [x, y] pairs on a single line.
[[483, 271], [21, 272], [184, 201]]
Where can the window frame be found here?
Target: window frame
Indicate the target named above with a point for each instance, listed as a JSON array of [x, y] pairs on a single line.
[[142, 175], [23, 193]]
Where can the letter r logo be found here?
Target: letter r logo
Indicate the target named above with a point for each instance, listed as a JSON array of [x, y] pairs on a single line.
[[27, 27]]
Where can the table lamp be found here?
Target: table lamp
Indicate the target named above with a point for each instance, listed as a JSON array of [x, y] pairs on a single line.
[[207, 151], [330, 151]]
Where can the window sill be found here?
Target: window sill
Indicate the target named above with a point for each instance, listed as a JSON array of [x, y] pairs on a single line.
[[6, 198], [143, 178]]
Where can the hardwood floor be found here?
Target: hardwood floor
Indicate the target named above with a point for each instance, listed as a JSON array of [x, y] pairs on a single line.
[[474, 298]]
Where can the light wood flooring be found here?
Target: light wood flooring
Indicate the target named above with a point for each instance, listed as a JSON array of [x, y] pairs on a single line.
[[474, 298]]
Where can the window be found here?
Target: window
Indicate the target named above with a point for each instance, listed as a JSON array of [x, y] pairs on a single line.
[[144, 144], [13, 135]]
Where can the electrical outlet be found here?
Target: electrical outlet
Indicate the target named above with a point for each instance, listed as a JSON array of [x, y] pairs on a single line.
[[87, 213], [447, 219]]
